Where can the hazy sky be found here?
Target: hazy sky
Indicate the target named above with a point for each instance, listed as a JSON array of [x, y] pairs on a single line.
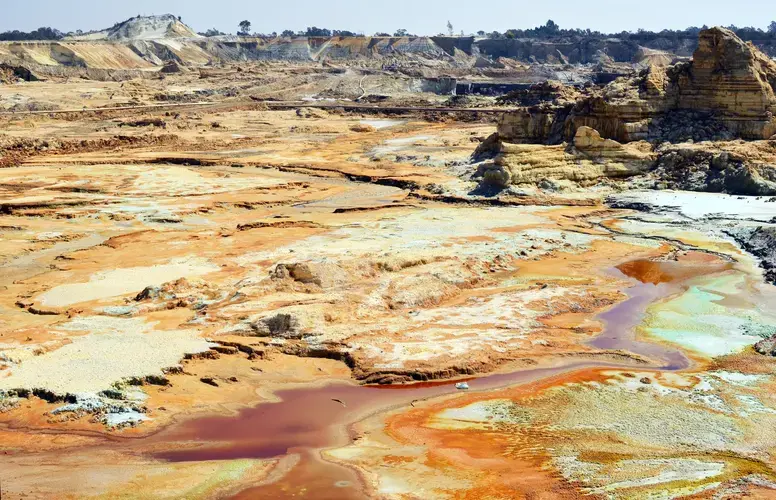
[[369, 16]]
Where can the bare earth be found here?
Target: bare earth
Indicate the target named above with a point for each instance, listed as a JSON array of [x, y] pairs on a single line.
[[233, 301]]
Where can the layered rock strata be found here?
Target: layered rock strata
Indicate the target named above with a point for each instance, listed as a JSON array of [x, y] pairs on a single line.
[[726, 91], [588, 158]]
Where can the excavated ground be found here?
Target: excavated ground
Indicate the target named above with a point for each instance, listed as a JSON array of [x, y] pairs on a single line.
[[219, 302]]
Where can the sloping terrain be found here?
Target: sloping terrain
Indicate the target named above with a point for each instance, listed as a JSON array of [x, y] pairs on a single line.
[[143, 28]]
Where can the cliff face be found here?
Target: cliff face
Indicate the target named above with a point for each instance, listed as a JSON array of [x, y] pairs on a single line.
[[733, 79], [586, 160], [151, 37], [582, 51], [726, 91]]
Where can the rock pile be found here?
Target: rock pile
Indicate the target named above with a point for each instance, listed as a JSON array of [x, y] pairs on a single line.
[[545, 92], [724, 167]]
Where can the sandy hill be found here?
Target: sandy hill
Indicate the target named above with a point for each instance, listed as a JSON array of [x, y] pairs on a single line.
[[143, 28]]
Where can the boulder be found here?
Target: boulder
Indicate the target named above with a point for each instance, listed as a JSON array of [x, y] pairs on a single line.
[[588, 159], [323, 274]]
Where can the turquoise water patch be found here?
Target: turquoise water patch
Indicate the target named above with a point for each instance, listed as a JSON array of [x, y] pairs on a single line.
[[698, 320]]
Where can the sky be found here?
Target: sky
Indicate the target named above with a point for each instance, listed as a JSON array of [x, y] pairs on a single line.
[[423, 17]]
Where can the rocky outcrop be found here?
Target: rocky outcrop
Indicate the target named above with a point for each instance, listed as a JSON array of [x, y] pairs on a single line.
[[324, 274], [760, 241], [173, 67], [766, 347], [726, 167], [586, 160], [728, 90]]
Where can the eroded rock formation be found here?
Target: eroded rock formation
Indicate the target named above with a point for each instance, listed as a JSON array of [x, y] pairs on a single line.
[[588, 158], [726, 91]]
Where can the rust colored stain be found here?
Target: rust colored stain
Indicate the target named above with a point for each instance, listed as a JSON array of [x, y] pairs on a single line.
[[499, 462], [685, 267]]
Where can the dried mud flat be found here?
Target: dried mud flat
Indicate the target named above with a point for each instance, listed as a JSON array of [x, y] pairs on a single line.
[[237, 302]]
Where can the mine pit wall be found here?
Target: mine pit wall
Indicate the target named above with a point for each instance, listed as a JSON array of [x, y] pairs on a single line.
[[74, 54], [489, 88], [457, 51], [21, 72], [38, 72], [319, 48], [582, 52], [439, 86]]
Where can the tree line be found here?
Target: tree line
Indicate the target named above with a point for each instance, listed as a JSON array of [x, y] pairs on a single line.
[[551, 30], [38, 34], [548, 31]]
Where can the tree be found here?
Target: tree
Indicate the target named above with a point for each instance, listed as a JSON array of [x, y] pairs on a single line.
[[212, 32], [288, 34], [450, 30], [315, 31], [378, 34], [772, 28], [38, 34], [245, 28], [480, 33], [400, 33]]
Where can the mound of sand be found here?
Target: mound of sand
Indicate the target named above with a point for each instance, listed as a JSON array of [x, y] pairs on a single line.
[[144, 28]]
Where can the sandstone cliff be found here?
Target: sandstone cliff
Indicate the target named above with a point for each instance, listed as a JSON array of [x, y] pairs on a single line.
[[587, 159], [728, 90], [652, 123]]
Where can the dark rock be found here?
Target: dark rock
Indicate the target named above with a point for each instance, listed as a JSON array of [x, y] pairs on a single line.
[[760, 242], [280, 325], [209, 381], [149, 293], [766, 347], [223, 349]]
